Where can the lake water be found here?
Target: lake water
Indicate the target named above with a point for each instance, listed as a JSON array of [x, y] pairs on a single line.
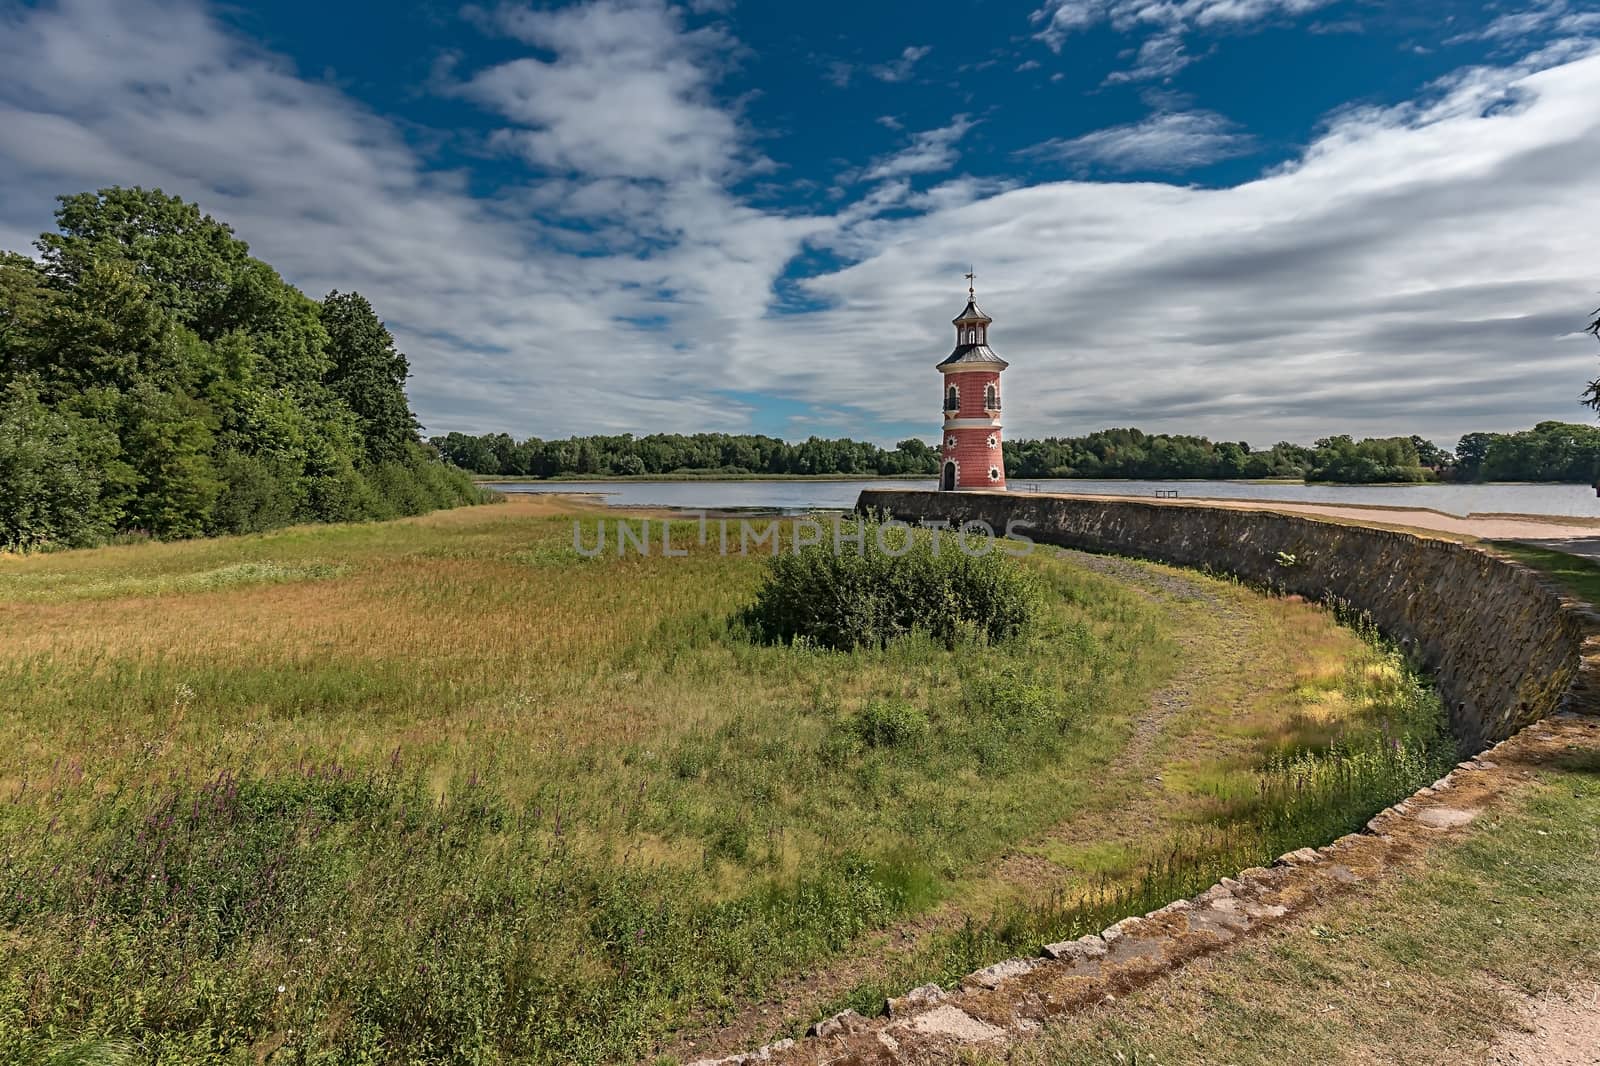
[[1575, 500]]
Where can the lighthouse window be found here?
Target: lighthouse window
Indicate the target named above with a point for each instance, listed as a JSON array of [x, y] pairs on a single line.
[[994, 473], [950, 442], [952, 398], [991, 440], [991, 398]]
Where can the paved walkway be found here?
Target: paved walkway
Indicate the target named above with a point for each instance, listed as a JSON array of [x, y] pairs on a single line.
[[1578, 536]]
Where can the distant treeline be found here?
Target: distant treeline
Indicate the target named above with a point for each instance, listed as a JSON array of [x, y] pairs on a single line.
[[673, 453], [156, 378], [1551, 451]]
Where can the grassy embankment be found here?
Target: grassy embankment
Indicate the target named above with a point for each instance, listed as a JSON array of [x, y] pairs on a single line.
[[1425, 968], [439, 789], [1577, 575]]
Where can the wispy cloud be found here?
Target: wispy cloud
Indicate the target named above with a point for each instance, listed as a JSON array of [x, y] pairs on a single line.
[[904, 66], [1162, 54], [1159, 57], [838, 73], [1557, 17], [929, 152], [1170, 141]]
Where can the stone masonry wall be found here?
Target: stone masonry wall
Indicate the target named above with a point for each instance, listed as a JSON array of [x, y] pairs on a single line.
[[1504, 645]]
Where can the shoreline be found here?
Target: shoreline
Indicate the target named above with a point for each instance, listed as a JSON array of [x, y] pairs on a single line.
[[512, 479]]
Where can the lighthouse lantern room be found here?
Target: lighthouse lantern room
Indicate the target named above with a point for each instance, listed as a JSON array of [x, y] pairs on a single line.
[[971, 456]]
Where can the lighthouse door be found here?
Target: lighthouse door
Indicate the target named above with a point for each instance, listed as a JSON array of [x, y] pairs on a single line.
[[947, 482]]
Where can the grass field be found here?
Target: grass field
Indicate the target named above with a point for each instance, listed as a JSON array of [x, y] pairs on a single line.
[[443, 790]]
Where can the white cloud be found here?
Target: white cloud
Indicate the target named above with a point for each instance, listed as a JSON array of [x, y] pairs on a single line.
[[838, 74], [1168, 21], [1557, 17], [1169, 140], [628, 94], [1160, 56], [1419, 268], [929, 152], [902, 68]]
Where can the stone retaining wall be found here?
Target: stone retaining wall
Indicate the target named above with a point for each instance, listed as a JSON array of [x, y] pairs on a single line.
[[1013, 998], [1504, 645]]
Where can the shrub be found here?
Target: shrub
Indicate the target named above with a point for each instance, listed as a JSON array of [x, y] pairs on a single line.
[[890, 723], [1013, 696], [864, 596]]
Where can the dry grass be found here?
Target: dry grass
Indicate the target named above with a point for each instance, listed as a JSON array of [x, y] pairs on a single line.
[[1424, 969], [596, 718]]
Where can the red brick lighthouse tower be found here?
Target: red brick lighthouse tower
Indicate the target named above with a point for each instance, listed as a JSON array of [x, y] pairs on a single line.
[[971, 453]]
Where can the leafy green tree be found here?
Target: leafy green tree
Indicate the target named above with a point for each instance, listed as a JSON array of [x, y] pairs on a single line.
[[1430, 454], [107, 330], [191, 263], [192, 388], [369, 375], [168, 440], [49, 472], [25, 299]]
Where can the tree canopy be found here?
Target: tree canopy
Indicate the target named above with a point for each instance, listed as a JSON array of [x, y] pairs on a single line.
[[185, 388]]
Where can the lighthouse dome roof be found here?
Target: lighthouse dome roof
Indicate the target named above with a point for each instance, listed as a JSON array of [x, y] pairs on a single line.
[[971, 314], [978, 356]]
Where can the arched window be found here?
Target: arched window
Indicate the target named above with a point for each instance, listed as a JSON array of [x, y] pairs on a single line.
[[991, 398], [952, 399]]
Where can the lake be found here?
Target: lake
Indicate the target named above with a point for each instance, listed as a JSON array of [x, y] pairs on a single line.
[[1572, 500]]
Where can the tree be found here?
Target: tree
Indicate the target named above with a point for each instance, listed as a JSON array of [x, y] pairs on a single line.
[[168, 440], [1471, 451], [192, 263], [24, 301], [369, 375], [1430, 454], [176, 384], [47, 466]]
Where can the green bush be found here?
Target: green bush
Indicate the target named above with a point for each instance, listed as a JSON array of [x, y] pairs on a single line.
[[890, 723], [866, 596], [1014, 697]]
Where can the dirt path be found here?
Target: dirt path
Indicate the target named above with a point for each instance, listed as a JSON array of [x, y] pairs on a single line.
[[1216, 635], [1562, 1029]]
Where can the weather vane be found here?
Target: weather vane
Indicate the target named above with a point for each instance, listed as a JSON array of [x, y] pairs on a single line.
[[972, 278]]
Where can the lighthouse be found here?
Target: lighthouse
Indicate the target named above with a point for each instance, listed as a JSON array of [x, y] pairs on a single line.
[[971, 456]]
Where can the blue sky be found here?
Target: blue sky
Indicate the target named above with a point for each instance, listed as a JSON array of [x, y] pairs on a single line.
[[1255, 219]]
